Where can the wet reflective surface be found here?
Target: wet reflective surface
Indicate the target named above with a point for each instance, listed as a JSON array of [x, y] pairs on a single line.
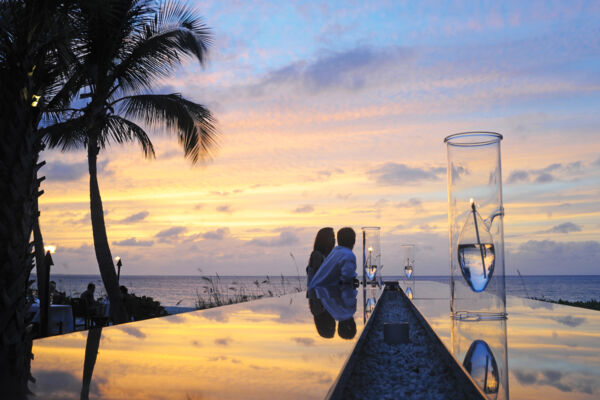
[[287, 347], [481, 364], [545, 350]]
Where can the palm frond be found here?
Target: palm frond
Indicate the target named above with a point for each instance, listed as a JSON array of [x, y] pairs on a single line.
[[67, 135], [174, 32], [121, 130], [193, 123]]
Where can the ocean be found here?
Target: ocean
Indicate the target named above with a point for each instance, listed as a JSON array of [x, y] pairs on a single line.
[[184, 291]]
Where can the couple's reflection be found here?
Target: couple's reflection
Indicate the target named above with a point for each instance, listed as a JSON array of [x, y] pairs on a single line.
[[329, 304]]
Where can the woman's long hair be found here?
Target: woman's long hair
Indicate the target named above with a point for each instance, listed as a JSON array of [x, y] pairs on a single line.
[[325, 241]]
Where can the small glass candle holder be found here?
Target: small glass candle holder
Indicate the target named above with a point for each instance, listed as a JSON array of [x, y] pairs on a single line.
[[371, 238], [408, 261]]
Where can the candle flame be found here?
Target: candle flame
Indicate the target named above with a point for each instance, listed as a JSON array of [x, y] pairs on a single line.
[[117, 258], [370, 249], [50, 248], [471, 201]]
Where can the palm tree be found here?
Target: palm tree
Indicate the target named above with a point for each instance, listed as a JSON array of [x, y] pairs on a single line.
[[34, 41], [125, 46]]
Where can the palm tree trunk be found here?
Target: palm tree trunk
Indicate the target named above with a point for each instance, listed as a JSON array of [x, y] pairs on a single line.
[[101, 247], [18, 156]]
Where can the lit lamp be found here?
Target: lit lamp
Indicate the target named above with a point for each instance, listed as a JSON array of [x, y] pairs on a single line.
[[119, 265]]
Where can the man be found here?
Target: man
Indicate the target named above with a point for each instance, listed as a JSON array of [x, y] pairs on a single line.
[[56, 296], [88, 297], [340, 264]]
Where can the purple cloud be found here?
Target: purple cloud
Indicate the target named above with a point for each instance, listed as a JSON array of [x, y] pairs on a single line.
[[170, 234], [307, 208], [567, 227], [134, 242], [135, 217], [285, 238], [226, 208], [304, 341], [411, 203], [544, 178], [518, 176], [70, 172], [402, 174], [348, 69], [218, 234], [223, 341]]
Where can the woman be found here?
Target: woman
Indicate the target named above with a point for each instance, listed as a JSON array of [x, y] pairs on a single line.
[[324, 243]]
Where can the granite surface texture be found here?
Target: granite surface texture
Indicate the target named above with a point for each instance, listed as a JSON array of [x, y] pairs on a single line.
[[401, 371]]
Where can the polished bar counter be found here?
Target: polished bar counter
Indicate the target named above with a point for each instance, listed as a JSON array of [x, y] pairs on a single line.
[[288, 347], [543, 350], [292, 347]]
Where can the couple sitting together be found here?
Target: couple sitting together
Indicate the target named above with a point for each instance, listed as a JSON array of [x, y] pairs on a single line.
[[329, 265]]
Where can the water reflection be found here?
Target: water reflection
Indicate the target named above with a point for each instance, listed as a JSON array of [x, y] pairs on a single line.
[[91, 353], [370, 295], [481, 364], [269, 348], [334, 303], [553, 349], [324, 322], [483, 347]]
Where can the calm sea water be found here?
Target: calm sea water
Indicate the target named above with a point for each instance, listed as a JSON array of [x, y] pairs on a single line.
[[184, 290]]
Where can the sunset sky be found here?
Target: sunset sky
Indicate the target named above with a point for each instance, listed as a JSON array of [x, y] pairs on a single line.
[[334, 115]]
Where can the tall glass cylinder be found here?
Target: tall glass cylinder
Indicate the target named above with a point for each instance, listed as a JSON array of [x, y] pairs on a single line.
[[371, 236], [475, 216]]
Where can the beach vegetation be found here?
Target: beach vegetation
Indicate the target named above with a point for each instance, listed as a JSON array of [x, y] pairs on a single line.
[[589, 304], [215, 294]]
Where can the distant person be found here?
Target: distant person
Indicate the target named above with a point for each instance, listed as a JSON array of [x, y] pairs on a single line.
[[56, 297], [340, 264], [87, 297], [324, 243], [127, 300]]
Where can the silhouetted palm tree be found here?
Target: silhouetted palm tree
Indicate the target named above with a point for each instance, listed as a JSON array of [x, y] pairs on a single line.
[[125, 46], [34, 48]]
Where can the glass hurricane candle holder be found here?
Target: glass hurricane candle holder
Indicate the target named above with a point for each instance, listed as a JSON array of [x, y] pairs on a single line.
[[371, 238], [475, 216]]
